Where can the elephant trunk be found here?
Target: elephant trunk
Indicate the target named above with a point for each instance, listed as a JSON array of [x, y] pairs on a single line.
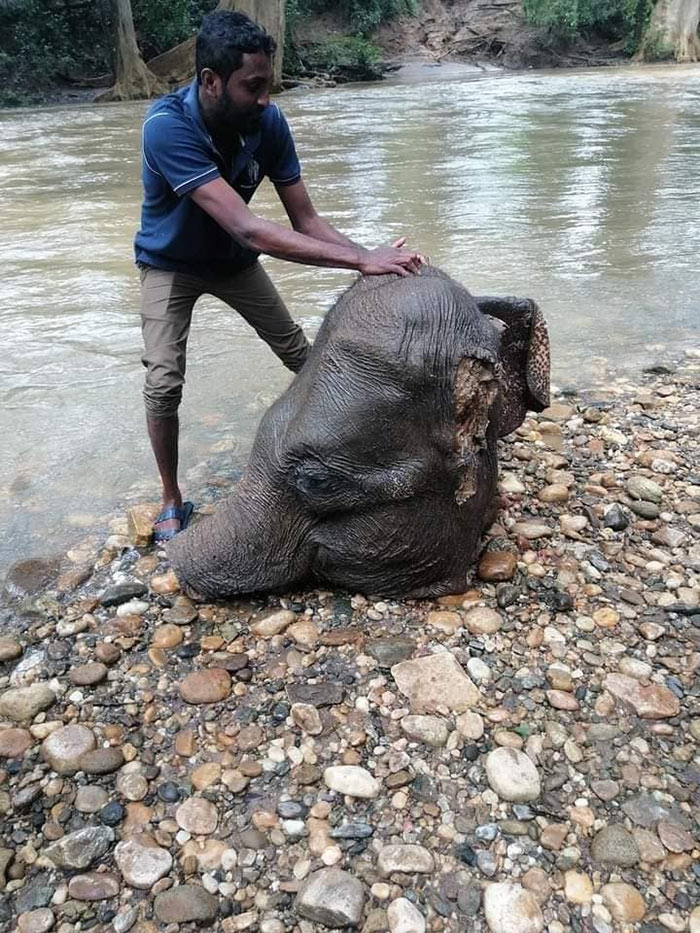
[[257, 540]]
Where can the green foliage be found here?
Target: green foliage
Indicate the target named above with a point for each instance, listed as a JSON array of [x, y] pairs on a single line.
[[657, 48], [44, 43], [622, 20], [344, 57], [350, 57]]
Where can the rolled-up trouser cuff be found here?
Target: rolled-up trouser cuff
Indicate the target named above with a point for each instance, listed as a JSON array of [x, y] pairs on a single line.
[[162, 404]]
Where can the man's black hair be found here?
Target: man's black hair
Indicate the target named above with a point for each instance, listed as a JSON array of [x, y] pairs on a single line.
[[224, 38]]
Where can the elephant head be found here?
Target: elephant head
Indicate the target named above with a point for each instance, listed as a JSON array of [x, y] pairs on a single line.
[[376, 470]]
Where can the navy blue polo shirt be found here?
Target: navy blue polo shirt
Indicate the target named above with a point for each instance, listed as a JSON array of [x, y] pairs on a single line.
[[179, 155]]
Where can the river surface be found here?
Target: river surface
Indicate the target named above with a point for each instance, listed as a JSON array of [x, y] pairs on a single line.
[[581, 190]]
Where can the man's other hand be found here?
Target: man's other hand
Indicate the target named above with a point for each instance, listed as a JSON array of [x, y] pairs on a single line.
[[392, 258]]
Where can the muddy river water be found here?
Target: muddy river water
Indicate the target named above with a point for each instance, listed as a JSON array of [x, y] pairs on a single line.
[[581, 190]]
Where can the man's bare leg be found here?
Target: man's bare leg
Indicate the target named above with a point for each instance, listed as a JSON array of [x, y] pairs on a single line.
[[164, 434]]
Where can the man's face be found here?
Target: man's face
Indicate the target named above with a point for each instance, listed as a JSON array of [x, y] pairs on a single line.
[[239, 103]]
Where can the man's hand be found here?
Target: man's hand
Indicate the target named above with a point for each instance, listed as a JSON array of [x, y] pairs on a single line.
[[394, 258]]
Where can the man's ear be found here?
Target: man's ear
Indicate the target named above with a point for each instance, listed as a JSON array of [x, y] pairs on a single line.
[[523, 356]]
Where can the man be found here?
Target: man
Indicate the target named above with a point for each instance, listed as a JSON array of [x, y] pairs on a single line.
[[206, 148]]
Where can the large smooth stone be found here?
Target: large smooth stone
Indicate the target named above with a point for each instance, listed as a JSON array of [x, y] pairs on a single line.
[[187, 903], [64, 748], [436, 680], [142, 862], [21, 704], [210, 686], [351, 780], [509, 908], [331, 897], [512, 775]]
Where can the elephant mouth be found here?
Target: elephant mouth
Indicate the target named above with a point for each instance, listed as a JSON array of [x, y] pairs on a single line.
[[475, 390]]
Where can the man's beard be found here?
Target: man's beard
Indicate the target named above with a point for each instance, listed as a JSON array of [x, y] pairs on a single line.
[[231, 120]]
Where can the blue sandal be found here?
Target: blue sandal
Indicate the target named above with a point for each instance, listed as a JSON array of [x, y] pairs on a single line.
[[182, 515]]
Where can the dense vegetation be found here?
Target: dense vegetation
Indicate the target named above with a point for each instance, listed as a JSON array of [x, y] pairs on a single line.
[[615, 20]]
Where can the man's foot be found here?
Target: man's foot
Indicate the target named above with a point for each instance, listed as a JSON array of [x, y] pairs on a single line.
[[171, 521]]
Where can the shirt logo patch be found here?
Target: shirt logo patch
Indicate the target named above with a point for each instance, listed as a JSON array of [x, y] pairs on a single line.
[[253, 174]]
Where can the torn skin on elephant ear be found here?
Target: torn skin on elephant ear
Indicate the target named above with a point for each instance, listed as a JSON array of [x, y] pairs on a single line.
[[524, 358]]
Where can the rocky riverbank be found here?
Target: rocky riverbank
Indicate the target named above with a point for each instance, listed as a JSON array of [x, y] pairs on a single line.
[[520, 757]]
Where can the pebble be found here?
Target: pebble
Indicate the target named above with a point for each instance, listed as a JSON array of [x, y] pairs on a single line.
[[90, 799], [509, 908], [142, 861], [532, 530], [624, 902], [87, 675], [273, 624], [427, 729], [578, 888], [404, 917], [36, 921], [79, 849], [652, 702], [352, 781], [14, 742], [407, 859], [331, 897], [307, 718], [614, 845], [512, 775], [435, 680], [210, 686], [22, 704], [197, 816], [64, 748], [483, 621], [102, 760], [95, 886], [186, 903], [498, 566], [10, 648]]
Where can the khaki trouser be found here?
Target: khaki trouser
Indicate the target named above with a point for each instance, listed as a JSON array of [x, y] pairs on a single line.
[[167, 300]]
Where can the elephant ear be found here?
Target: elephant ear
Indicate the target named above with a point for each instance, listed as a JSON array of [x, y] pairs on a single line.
[[523, 358]]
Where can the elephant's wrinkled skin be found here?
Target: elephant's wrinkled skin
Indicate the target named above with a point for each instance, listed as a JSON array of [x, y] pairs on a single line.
[[376, 470]]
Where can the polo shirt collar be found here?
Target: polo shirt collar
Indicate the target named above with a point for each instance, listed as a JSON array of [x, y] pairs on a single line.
[[249, 141]]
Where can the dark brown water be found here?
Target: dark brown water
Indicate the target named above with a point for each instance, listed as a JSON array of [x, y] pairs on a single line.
[[580, 190]]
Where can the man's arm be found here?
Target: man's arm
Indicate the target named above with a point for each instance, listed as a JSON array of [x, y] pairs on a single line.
[[304, 218], [231, 212]]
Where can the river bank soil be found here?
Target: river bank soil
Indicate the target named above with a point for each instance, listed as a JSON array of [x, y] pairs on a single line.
[[519, 757]]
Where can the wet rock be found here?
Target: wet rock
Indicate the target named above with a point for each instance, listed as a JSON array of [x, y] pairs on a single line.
[[428, 729], [87, 675], [21, 704], [307, 718], [94, 886], [404, 917], [445, 621], [107, 652], [643, 509], [532, 530], [210, 686], [624, 902], [29, 577], [352, 781], [639, 487], [555, 492], [140, 519], [10, 648], [331, 897], [142, 861], [273, 624], [652, 702], [37, 893], [483, 621], [186, 903], [81, 848], [433, 681], [122, 593], [36, 921], [390, 651], [614, 845], [14, 742], [90, 799], [509, 908], [674, 837], [498, 566], [64, 748], [197, 816], [578, 888], [512, 775], [615, 518], [408, 859], [322, 694], [102, 761]]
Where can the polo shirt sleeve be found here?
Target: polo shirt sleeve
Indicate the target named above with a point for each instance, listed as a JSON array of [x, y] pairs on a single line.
[[284, 168], [173, 150]]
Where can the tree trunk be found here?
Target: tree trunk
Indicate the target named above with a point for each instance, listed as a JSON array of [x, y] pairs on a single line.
[[673, 31], [177, 64], [134, 81]]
